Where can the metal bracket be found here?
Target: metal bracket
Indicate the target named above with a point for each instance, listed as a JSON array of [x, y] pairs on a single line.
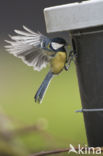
[[89, 110]]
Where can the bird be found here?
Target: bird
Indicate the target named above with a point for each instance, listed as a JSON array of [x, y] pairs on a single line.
[[37, 50]]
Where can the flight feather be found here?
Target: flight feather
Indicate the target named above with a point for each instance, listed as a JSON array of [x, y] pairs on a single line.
[[31, 47]]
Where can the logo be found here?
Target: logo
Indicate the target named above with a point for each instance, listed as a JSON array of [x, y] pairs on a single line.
[[84, 150]]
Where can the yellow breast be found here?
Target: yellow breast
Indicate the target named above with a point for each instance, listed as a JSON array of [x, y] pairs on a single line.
[[58, 62]]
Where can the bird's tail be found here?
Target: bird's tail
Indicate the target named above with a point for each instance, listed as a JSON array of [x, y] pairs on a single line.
[[42, 89]]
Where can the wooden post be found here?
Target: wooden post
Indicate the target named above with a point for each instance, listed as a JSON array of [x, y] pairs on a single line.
[[85, 23], [89, 63]]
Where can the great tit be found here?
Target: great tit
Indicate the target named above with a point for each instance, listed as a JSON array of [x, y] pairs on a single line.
[[38, 50]]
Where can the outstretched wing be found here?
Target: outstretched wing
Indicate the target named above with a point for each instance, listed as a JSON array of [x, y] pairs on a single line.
[[31, 47]]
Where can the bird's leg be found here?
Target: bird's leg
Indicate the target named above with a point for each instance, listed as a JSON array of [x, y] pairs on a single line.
[[71, 57]]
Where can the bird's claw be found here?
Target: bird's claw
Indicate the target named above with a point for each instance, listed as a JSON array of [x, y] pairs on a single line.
[[71, 57], [66, 67]]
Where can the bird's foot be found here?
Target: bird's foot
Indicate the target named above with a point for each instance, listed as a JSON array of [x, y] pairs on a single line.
[[71, 58], [66, 67]]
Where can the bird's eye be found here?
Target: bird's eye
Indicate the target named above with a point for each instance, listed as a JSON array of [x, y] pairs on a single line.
[[56, 46]]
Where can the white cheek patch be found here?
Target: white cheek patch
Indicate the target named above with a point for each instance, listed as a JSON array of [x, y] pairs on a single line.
[[56, 45]]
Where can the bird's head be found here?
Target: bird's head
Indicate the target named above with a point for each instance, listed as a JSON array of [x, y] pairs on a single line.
[[58, 44]]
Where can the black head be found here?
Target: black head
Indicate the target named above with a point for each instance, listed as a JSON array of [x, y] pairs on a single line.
[[58, 44]]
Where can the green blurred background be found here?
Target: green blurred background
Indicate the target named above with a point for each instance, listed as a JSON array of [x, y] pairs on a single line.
[[19, 83]]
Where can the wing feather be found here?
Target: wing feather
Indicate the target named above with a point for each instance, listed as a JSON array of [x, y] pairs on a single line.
[[30, 47]]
